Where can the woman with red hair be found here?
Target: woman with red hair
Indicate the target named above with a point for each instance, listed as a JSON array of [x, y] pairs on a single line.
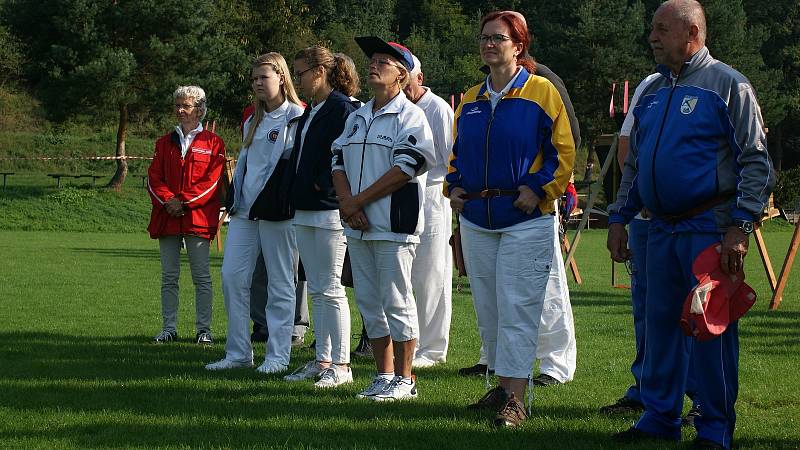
[[512, 158]]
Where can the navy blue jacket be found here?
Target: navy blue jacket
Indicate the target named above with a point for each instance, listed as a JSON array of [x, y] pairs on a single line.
[[315, 158]]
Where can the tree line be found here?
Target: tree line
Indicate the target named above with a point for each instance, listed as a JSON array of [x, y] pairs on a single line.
[[121, 59]]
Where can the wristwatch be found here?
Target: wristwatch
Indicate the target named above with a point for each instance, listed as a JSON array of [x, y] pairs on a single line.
[[746, 226]]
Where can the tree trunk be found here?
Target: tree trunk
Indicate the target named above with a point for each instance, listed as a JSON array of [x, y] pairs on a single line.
[[122, 163]]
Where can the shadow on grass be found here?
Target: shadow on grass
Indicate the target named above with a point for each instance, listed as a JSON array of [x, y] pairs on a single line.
[[215, 258], [124, 391]]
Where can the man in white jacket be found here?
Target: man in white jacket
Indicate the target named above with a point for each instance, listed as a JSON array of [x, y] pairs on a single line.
[[432, 271]]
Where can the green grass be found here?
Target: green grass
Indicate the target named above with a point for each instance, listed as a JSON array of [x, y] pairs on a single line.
[[78, 311]]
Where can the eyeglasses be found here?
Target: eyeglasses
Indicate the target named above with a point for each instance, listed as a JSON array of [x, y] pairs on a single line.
[[381, 62], [496, 39], [184, 107], [298, 75]]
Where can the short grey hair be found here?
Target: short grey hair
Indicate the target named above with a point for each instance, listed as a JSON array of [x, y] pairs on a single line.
[[690, 12], [194, 92]]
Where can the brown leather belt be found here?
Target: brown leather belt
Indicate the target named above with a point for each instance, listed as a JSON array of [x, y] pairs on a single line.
[[673, 219], [489, 193]]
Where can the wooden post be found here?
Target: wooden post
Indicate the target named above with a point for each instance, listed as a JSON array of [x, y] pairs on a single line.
[[565, 247], [787, 268], [762, 250]]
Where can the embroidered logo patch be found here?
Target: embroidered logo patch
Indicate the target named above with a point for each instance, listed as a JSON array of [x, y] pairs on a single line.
[[273, 135], [687, 104], [384, 138], [201, 150], [353, 131], [474, 110]]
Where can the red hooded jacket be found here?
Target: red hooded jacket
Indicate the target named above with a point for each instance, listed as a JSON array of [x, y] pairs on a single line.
[[193, 179]]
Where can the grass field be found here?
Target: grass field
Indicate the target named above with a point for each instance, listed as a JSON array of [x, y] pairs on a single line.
[[78, 311]]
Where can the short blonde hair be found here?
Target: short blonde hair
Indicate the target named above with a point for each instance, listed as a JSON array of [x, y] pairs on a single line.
[[194, 92]]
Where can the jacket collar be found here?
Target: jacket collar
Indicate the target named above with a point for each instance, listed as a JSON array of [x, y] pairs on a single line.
[[394, 106], [702, 58], [518, 82], [334, 98]]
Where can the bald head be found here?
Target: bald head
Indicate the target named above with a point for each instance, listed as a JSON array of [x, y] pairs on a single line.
[[690, 13], [679, 31]]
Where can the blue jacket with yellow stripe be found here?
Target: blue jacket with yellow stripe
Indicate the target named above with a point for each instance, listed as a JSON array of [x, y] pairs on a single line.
[[526, 140]]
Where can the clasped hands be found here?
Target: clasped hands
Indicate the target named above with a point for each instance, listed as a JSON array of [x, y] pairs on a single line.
[[174, 207], [352, 213]]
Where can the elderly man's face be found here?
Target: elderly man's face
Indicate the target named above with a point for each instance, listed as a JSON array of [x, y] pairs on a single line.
[[669, 39], [414, 85]]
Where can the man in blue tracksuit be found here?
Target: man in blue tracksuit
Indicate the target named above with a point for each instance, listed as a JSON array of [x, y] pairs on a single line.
[[698, 162]]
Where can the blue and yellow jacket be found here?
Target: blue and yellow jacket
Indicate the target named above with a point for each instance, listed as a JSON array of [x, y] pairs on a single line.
[[526, 140]]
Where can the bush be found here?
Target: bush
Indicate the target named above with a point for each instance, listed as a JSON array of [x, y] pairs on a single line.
[[787, 189]]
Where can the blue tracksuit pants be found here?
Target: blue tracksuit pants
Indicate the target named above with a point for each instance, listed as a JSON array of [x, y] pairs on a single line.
[[637, 242], [668, 352]]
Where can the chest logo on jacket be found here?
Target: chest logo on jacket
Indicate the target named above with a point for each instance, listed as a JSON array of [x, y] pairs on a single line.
[[474, 110], [687, 104], [353, 131], [273, 135]]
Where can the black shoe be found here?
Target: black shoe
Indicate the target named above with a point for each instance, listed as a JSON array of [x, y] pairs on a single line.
[[165, 337], [478, 370], [364, 348], [693, 413], [705, 444], [633, 434], [545, 380], [204, 338], [625, 405]]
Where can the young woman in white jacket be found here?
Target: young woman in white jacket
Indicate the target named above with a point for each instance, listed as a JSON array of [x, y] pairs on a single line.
[[261, 221], [377, 162]]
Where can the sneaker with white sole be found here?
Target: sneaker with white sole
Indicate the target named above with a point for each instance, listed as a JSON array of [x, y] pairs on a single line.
[[377, 386], [309, 371], [271, 366], [226, 364], [334, 376], [165, 337], [398, 389], [422, 362]]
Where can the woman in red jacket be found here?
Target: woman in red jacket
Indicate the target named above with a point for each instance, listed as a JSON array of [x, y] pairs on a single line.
[[183, 180]]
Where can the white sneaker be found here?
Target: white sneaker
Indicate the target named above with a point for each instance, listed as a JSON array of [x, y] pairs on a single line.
[[377, 386], [307, 372], [422, 362], [225, 364], [334, 376], [271, 366], [397, 390]]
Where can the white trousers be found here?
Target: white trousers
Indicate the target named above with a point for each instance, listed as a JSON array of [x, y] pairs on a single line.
[[557, 351], [322, 251], [432, 277], [508, 271], [197, 250], [382, 279], [246, 239]]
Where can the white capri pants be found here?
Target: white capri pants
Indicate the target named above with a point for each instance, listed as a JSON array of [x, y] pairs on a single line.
[[246, 239], [556, 351], [508, 271], [322, 251], [432, 276], [382, 280]]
